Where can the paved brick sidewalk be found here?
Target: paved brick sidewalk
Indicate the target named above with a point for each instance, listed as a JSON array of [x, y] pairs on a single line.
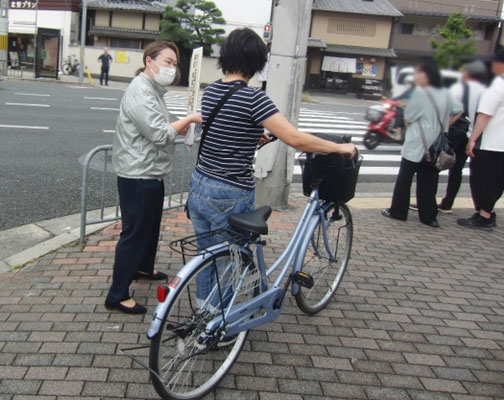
[[419, 315]]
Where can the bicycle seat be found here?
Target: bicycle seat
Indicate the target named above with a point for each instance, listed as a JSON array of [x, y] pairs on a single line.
[[254, 221]]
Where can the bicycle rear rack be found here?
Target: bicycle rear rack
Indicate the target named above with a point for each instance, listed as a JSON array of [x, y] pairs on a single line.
[[188, 246]]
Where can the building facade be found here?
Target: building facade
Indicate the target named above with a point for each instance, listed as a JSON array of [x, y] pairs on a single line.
[[26, 17], [350, 45], [125, 26], [412, 33]]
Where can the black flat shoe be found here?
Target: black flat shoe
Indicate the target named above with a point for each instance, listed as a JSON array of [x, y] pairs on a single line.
[[433, 224], [386, 213], [158, 276], [136, 309]]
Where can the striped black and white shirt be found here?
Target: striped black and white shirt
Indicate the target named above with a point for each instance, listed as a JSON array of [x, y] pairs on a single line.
[[230, 143]]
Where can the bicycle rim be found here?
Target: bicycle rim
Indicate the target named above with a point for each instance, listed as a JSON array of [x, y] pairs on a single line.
[[326, 263], [67, 69], [188, 361]]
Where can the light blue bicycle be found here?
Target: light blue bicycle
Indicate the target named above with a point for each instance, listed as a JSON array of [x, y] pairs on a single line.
[[195, 341]]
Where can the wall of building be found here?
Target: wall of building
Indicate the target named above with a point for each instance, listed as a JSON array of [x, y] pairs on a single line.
[[121, 19], [152, 22], [102, 18], [352, 29], [126, 62]]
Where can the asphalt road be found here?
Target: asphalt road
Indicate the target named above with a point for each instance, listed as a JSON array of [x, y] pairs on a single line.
[[46, 129]]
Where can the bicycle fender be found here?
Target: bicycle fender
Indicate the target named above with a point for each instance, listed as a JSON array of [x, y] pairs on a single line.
[[182, 275], [298, 263]]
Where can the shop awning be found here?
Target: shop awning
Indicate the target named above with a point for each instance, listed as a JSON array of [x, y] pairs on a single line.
[[361, 51]]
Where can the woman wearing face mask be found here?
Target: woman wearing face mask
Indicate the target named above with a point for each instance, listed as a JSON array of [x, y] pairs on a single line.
[[428, 105], [142, 156]]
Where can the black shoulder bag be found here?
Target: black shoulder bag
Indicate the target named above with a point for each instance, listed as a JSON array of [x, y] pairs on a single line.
[[457, 133], [209, 121], [440, 153]]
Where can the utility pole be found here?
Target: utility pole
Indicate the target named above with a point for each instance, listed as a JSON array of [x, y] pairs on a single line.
[[83, 39], [275, 162], [4, 36]]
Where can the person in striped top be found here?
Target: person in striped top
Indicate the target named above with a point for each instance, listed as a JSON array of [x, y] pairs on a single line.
[[223, 182]]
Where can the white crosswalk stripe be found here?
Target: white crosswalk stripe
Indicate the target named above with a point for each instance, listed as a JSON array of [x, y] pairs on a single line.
[[381, 162]]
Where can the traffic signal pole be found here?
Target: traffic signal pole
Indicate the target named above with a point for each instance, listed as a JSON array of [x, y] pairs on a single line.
[[287, 62]]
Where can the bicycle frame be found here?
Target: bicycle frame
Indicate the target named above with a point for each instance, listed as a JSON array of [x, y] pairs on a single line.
[[262, 308]]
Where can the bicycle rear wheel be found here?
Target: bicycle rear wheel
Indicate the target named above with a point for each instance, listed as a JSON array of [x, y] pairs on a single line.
[[187, 360], [326, 258], [66, 68]]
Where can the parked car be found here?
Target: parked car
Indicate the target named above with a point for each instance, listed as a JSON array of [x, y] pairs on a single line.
[[400, 78]]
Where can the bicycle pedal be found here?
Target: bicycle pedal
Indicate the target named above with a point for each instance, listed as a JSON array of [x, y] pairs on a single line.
[[303, 279]]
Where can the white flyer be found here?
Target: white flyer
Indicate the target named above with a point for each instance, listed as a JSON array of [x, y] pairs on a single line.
[[193, 91]]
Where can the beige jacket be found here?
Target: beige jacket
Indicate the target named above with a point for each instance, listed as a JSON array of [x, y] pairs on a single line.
[[143, 143]]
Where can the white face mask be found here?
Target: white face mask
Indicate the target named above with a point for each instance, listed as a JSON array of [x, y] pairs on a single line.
[[165, 76]]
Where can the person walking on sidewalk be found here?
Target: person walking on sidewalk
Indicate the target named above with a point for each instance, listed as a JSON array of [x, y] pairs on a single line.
[[105, 60], [467, 92], [427, 101], [223, 181], [142, 156], [486, 149]]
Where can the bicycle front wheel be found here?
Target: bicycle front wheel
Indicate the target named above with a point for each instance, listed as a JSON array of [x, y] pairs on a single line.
[[66, 68], [187, 361], [326, 257]]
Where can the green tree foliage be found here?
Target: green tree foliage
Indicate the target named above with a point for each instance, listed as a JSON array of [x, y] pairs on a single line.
[[191, 23], [456, 42]]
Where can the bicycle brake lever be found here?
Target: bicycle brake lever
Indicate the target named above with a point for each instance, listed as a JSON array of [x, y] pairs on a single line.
[[273, 138]]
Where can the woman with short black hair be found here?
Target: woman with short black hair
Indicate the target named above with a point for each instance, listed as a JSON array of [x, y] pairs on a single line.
[[428, 101], [223, 181]]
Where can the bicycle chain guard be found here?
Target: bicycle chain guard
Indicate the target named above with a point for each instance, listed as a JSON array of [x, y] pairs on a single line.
[[243, 278]]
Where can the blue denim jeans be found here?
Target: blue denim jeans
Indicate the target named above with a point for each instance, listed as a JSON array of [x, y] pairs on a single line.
[[210, 204]]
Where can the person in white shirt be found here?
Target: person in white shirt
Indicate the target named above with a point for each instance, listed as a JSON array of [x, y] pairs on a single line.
[[486, 149], [468, 93]]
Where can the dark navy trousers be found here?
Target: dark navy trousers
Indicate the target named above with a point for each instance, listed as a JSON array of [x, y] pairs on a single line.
[[141, 202]]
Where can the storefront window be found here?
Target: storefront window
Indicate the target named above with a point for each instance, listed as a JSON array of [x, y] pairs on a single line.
[[21, 51]]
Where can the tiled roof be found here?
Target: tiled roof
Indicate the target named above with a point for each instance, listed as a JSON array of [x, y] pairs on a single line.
[[437, 14], [354, 50], [319, 43], [369, 7], [129, 5], [122, 32]]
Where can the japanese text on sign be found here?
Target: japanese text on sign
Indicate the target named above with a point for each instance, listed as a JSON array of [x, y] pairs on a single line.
[[26, 4]]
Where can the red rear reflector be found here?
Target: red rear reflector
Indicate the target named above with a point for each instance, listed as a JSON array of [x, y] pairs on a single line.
[[174, 282], [162, 293]]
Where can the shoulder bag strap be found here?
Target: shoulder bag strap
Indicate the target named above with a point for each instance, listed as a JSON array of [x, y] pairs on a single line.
[[465, 98], [424, 141], [216, 109], [437, 110]]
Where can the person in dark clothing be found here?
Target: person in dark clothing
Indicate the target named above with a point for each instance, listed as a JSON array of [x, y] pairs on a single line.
[[105, 60], [467, 92], [428, 101]]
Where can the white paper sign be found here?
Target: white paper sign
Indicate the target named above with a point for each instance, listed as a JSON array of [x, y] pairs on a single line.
[[193, 91], [339, 64]]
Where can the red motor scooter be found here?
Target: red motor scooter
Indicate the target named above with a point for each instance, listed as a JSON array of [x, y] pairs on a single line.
[[382, 124]]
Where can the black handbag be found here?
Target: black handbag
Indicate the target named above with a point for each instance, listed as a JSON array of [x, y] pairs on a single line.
[[440, 153]]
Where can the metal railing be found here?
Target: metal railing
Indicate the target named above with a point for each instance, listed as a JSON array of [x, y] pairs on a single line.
[[175, 188]]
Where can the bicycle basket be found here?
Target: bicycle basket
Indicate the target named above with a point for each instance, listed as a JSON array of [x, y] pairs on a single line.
[[334, 175]]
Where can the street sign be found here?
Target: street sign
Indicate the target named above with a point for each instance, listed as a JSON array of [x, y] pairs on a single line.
[[193, 91]]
